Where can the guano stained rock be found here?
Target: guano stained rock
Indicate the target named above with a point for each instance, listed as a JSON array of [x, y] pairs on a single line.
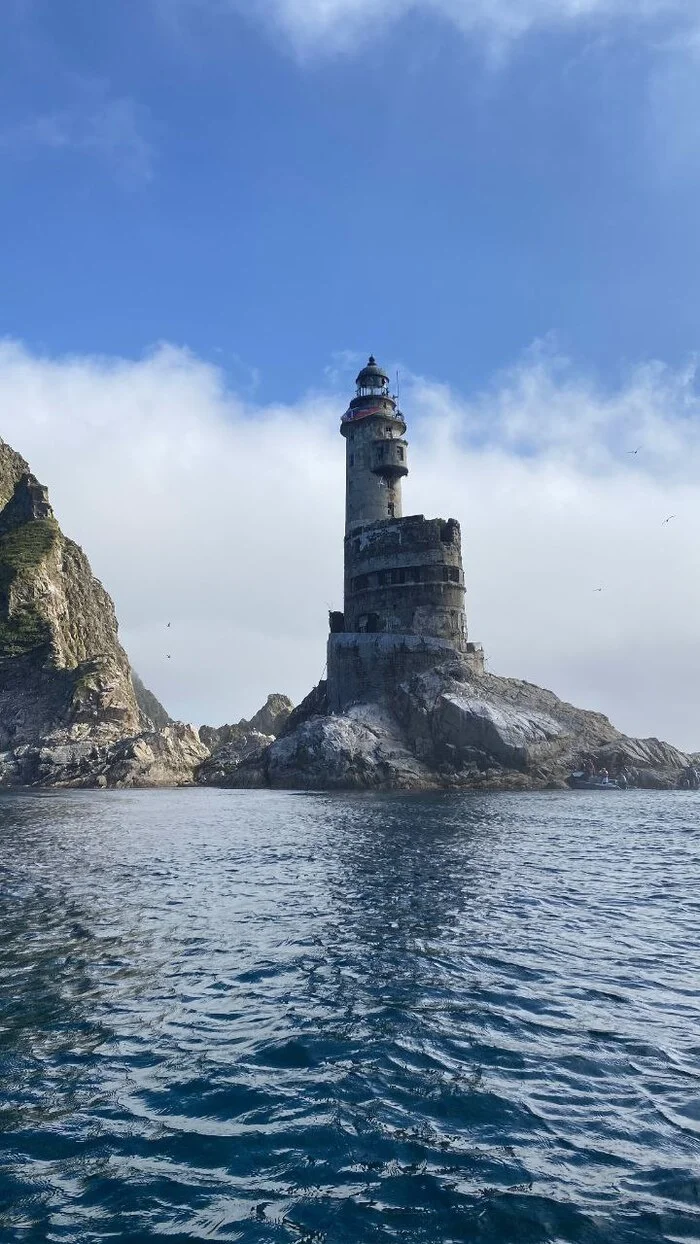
[[451, 728]]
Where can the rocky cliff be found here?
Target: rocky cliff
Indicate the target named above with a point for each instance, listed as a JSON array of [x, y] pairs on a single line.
[[231, 745], [450, 728], [69, 711]]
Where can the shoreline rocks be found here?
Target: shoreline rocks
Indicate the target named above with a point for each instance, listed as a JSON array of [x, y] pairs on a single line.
[[447, 729]]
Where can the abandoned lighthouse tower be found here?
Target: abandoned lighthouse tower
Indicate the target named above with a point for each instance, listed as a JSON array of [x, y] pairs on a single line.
[[404, 609]]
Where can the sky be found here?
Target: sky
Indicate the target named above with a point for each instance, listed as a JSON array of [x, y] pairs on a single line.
[[213, 210]]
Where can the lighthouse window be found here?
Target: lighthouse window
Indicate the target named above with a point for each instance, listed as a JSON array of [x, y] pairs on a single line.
[[368, 623], [400, 454]]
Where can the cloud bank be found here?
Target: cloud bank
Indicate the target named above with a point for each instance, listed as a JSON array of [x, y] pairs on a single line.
[[225, 519]]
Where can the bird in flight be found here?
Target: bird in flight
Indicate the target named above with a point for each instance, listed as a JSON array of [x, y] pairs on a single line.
[[597, 589], [168, 655], [667, 520], [168, 624], [634, 451]]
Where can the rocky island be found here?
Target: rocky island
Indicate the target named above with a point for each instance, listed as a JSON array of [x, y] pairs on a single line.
[[407, 702]]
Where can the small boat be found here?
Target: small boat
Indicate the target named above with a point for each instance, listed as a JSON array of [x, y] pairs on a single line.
[[586, 781]]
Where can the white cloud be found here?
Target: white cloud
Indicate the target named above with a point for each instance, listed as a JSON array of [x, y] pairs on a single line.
[[226, 520], [107, 129], [343, 23]]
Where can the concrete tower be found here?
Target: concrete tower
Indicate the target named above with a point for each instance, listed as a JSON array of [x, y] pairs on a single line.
[[375, 451], [404, 584]]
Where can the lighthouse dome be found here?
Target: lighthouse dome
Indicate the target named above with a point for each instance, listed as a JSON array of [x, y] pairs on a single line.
[[372, 378]]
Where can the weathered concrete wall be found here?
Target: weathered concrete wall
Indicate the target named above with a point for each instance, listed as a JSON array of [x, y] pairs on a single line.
[[376, 458], [405, 577], [369, 668]]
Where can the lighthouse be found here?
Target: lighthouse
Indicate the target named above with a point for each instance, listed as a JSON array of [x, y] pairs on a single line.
[[404, 592], [375, 450]]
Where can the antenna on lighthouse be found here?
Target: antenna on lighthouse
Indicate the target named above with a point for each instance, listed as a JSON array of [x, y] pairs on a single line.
[[398, 387]]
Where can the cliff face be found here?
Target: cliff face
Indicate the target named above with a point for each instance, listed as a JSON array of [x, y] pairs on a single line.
[[66, 691], [12, 467]]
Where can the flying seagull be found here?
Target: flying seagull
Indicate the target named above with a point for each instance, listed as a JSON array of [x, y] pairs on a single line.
[[168, 655], [634, 451], [667, 520], [168, 624], [597, 589]]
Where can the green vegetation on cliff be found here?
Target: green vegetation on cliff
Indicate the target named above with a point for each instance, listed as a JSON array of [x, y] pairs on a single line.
[[26, 547], [22, 551]]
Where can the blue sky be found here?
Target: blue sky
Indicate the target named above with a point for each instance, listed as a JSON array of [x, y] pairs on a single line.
[[212, 210], [271, 190]]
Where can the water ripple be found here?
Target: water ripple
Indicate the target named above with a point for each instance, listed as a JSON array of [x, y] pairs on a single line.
[[267, 1017]]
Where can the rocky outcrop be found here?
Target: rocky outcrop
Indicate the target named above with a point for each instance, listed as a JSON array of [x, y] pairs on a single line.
[[269, 720], [69, 710], [244, 743], [315, 704], [70, 758], [273, 716], [452, 728], [360, 750], [244, 747], [12, 468]]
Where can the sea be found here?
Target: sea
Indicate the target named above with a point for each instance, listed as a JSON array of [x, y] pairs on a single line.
[[276, 1017]]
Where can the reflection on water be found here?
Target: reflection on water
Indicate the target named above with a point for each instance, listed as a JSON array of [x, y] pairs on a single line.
[[269, 1017]]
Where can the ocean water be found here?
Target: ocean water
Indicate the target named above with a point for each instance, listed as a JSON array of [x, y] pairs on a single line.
[[275, 1017]]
